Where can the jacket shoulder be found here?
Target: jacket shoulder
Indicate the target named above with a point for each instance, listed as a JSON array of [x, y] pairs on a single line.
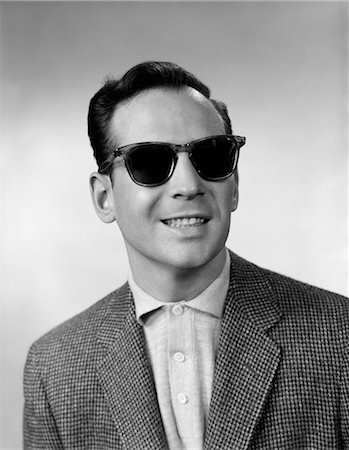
[[289, 288], [80, 332], [313, 320], [293, 296]]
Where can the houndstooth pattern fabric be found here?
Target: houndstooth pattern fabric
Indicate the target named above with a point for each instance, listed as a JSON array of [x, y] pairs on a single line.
[[281, 378]]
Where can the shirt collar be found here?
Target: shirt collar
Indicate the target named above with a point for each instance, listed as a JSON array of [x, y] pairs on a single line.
[[210, 301]]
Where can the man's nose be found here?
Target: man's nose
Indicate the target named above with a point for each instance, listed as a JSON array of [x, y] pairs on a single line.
[[185, 182]]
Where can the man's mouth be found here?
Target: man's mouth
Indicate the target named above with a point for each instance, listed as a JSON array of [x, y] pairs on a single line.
[[185, 222]]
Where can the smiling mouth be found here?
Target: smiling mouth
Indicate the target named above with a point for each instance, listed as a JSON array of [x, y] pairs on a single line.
[[185, 222]]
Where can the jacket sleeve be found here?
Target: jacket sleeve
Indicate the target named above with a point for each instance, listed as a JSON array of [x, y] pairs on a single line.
[[345, 399], [39, 427]]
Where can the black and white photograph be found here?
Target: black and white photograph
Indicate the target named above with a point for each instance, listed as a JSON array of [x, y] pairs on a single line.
[[174, 225]]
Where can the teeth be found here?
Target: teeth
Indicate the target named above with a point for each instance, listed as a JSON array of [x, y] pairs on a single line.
[[185, 222]]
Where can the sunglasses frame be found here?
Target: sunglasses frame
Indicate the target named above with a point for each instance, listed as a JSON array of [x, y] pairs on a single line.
[[126, 150]]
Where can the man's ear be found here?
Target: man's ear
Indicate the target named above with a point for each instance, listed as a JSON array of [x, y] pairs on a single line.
[[102, 196], [235, 196]]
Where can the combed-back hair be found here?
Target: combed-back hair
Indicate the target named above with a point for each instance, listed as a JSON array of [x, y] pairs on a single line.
[[149, 74]]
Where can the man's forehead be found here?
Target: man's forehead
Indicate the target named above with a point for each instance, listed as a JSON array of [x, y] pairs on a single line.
[[165, 109]]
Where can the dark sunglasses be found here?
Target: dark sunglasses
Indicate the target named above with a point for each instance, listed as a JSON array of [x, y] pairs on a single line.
[[152, 163]]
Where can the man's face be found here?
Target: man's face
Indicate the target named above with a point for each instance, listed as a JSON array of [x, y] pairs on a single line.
[[158, 223]]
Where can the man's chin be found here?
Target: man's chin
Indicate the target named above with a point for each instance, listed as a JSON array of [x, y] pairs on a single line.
[[193, 259]]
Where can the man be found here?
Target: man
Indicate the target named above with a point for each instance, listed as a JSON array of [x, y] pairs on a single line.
[[200, 349]]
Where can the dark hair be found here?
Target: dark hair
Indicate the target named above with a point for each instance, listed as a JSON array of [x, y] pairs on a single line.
[[146, 75]]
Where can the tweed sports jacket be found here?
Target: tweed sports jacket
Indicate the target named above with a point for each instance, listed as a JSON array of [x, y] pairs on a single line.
[[281, 377]]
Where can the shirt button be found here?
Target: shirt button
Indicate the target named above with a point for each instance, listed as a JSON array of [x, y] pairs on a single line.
[[182, 398], [177, 310], [179, 357]]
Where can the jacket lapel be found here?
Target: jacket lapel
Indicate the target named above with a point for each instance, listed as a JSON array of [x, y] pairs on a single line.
[[126, 378], [247, 359]]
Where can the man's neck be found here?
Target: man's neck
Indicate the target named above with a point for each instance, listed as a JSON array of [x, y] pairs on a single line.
[[170, 284]]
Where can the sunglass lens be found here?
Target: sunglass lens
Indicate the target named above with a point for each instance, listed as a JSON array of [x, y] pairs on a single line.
[[150, 164], [214, 158]]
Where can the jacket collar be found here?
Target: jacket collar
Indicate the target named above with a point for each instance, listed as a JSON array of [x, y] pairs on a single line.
[[246, 364], [252, 293]]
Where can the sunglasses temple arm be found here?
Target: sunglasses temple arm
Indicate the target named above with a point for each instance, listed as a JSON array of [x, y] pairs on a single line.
[[104, 168], [240, 140]]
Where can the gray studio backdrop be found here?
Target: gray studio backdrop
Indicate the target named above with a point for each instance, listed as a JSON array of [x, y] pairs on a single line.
[[281, 68]]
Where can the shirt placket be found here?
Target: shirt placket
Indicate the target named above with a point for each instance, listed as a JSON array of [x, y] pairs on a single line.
[[180, 357]]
